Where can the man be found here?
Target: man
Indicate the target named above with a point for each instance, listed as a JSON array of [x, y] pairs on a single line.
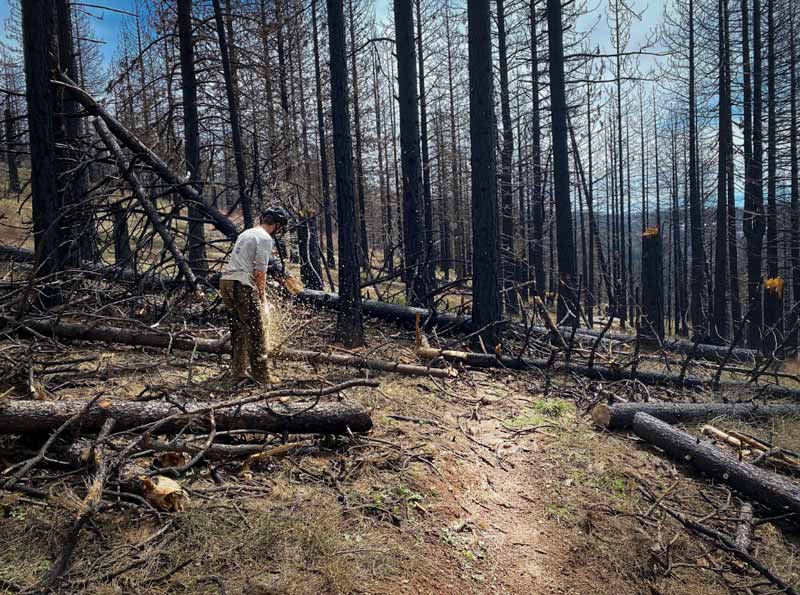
[[243, 289]]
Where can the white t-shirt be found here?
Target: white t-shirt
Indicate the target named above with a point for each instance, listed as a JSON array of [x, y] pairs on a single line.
[[250, 253]]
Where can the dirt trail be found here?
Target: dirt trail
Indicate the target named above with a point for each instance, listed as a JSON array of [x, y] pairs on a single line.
[[497, 524]]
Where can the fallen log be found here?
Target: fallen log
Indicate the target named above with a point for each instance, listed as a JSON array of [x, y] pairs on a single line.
[[769, 489], [407, 316], [608, 373], [294, 417], [404, 315], [621, 415], [354, 361], [15, 254], [147, 338]]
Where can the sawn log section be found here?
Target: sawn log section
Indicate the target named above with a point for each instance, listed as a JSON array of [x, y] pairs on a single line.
[[142, 338], [297, 417], [621, 415], [770, 489], [608, 373]]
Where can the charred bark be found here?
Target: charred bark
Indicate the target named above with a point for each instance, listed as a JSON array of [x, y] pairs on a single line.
[[651, 324], [191, 128], [414, 229], [297, 417], [39, 46], [350, 325], [233, 110], [486, 306], [777, 493], [620, 416]]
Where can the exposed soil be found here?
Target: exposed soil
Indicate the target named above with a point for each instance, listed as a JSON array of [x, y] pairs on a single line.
[[492, 482]]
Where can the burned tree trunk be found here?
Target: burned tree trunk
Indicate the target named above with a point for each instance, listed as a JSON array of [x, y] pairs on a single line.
[[427, 202], [753, 213], [772, 342], [695, 200], [414, 231], [123, 257], [568, 306], [651, 324], [719, 324], [73, 182], [297, 417], [361, 208], [506, 156], [39, 45], [536, 244], [191, 131], [772, 152], [233, 109], [308, 247], [794, 169], [323, 145], [486, 306], [350, 324]]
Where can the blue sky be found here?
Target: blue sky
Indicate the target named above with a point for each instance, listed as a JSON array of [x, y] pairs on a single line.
[[106, 23]]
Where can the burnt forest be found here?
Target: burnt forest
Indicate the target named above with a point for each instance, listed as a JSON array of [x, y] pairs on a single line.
[[397, 297]]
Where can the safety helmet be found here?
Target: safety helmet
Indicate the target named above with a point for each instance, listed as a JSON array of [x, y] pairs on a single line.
[[276, 214]]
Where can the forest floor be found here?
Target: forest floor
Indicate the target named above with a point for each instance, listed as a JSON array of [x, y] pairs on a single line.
[[492, 482]]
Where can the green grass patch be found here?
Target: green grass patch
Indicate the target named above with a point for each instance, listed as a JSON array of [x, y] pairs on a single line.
[[543, 412]]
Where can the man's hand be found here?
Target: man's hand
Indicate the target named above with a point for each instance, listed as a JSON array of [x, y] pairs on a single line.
[[275, 267]]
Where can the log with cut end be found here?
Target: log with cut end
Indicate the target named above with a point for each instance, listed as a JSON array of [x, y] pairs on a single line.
[[407, 315], [295, 417], [146, 338], [621, 415], [769, 489], [485, 360]]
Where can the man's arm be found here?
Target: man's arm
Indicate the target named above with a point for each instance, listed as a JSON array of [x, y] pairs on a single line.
[[261, 285], [260, 266]]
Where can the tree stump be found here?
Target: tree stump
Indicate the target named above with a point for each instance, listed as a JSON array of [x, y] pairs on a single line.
[[772, 342], [651, 323]]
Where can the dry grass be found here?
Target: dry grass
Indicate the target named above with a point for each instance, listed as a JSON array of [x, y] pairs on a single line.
[[288, 545], [463, 488]]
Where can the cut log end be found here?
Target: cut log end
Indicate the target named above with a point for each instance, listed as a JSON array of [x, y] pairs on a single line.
[[601, 415]]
